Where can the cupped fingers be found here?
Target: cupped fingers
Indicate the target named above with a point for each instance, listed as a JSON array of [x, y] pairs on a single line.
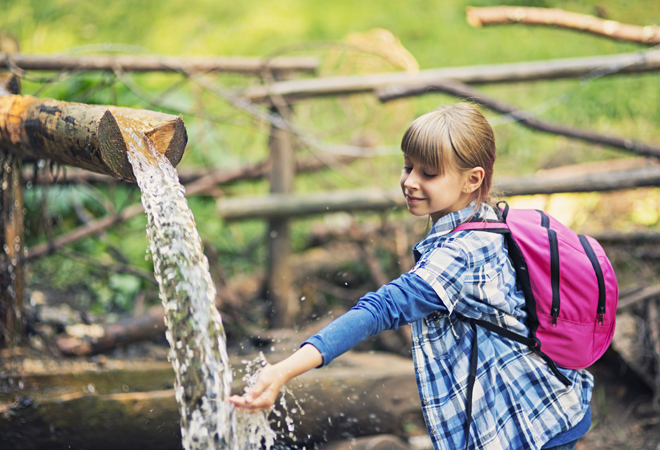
[[239, 400]]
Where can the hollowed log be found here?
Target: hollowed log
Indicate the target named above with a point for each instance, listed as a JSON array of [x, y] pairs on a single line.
[[91, 137]]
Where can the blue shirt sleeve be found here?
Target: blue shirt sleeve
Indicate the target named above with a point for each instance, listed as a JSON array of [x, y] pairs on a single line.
[[402, 301]]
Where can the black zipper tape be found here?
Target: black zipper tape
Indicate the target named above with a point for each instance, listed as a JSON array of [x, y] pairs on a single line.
[[554, 267], [602, 297]]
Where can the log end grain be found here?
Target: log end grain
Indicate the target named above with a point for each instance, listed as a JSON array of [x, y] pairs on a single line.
[[167, 133], [170, 139], [114, 148]]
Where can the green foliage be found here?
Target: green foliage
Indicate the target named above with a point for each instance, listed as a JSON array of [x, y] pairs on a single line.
[[436, 33], [125, 288]]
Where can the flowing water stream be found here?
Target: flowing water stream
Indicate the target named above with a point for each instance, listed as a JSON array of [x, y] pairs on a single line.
[[195, 332]]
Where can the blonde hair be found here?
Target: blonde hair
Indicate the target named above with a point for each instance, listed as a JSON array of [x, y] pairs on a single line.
[[454, 134]]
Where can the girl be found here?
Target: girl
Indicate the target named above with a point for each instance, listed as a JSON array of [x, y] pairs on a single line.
[[517, 403]]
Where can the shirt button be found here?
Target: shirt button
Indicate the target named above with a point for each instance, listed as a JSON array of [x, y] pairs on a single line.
[[426, 401], [416, 339], [433, 431], [420, 370]]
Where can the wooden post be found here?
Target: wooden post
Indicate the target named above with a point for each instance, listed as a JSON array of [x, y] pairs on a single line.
[[11, 226], [11, 279], [280, 293]]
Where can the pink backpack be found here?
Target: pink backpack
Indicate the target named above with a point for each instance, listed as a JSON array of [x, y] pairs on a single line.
[[570, 287]]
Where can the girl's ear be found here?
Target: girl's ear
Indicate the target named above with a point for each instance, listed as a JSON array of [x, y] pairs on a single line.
[[473, 179]]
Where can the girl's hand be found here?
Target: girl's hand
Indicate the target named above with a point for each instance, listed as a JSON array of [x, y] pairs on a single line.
[[264, 392], [271, 379]]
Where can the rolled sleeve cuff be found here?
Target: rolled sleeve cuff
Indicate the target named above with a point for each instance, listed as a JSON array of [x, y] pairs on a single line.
[[432, 280]]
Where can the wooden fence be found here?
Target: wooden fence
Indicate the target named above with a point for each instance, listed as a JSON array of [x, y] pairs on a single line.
[[282, 92]]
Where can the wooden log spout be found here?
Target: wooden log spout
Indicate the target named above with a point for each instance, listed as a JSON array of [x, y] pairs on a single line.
[[91, 137]]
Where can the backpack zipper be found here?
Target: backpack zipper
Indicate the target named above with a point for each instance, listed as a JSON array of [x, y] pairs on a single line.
[[554, 267], [602, 296]]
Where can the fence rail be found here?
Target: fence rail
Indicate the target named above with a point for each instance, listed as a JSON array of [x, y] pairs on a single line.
[[291, 205], [646, 61], [148, 63]]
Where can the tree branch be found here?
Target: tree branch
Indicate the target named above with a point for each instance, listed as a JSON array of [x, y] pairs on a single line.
[[478, 17], [464, 91]]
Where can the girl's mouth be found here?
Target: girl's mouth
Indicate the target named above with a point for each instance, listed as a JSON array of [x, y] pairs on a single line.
[[410, 199]]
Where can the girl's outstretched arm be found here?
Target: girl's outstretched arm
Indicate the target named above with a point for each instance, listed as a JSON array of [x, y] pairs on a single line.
[[272, 377]]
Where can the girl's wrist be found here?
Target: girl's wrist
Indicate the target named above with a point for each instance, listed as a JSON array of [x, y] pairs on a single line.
[[303, 360]]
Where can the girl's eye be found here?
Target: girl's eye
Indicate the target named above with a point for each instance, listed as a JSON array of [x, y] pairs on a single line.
[[429, 175], [407, 169]]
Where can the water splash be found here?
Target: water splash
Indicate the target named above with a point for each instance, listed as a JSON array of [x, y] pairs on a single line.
[[194, 327]]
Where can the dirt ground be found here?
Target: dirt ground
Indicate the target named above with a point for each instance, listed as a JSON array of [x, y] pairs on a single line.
[[622, 417]]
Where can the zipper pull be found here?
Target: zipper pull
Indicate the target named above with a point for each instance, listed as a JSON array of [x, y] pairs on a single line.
[[555, 314], [601, 313]]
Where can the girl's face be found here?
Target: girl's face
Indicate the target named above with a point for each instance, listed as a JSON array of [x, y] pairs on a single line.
[[429, 192]]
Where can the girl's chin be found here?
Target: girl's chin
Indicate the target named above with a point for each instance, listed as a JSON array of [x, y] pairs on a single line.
[[415, 211]]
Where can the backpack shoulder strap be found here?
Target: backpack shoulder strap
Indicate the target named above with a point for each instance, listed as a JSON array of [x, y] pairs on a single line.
[[492, 227]]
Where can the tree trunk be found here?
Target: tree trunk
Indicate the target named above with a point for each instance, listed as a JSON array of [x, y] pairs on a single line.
[[91, 137], [478, 17]]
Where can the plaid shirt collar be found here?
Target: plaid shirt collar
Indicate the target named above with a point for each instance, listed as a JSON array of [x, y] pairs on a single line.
[[446, 224]]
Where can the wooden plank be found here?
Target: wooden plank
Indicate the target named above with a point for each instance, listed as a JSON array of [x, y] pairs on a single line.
[[279, 206], [482, 74], [149, 63]]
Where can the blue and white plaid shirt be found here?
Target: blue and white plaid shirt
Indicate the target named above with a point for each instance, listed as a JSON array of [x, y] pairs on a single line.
[[518, 402]]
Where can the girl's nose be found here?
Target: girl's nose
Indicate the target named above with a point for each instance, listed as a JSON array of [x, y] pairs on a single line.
[[412, 181]]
